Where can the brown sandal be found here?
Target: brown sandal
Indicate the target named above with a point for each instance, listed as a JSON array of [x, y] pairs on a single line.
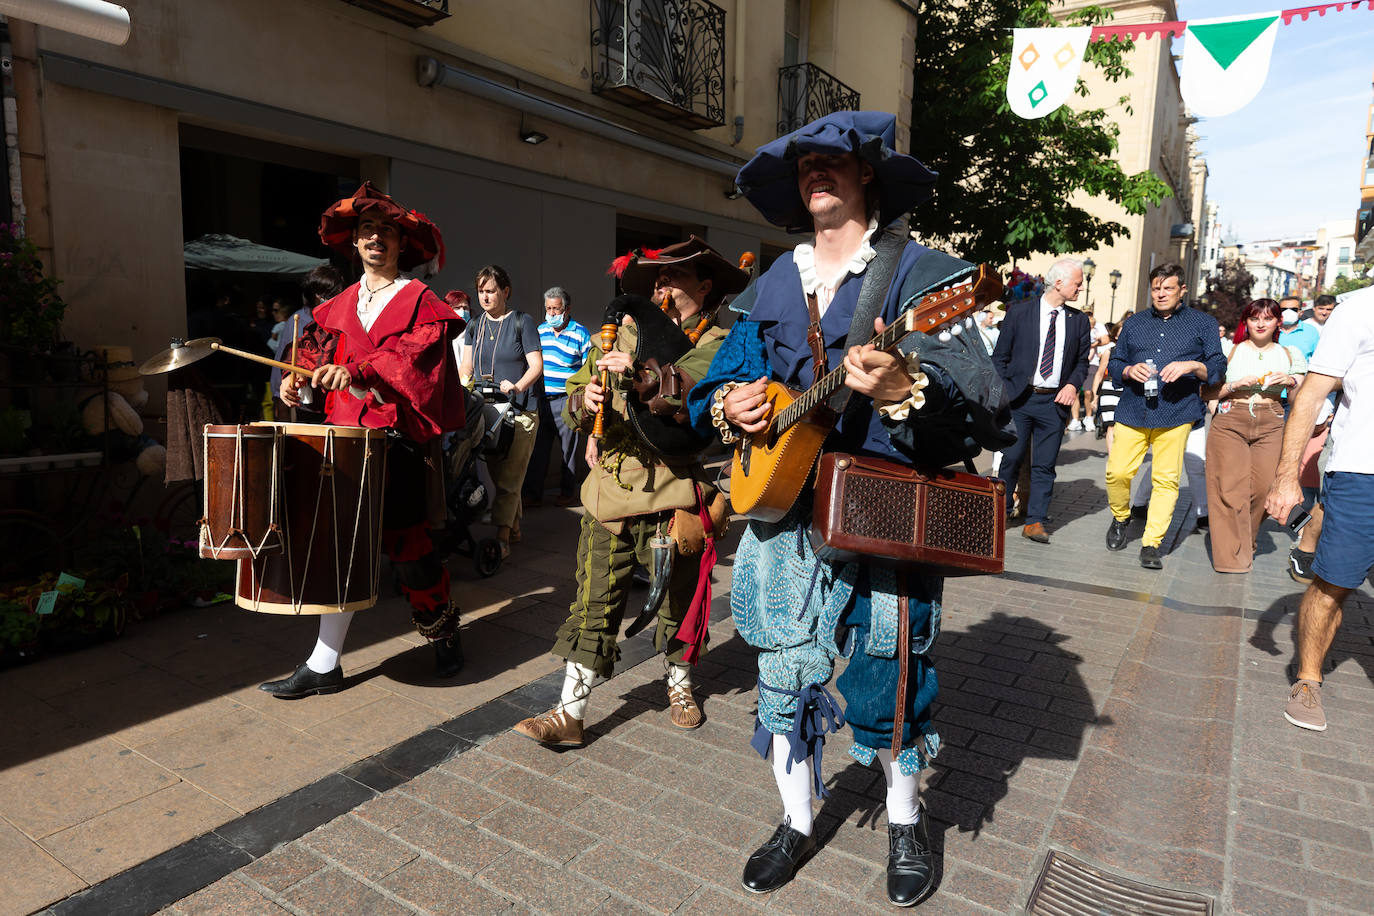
[[554, 728]]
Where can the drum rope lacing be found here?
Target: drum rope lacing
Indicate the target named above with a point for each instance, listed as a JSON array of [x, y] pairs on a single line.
[[278, 446], [327, 469], [237, 501]]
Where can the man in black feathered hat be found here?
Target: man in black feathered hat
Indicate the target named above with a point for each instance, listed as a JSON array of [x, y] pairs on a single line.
[[935, 400], [645, 501]]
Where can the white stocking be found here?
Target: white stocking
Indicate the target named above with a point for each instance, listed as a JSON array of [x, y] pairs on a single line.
[[678, 675], [329, 645], [901, 791], [578, 681], [794, 787]]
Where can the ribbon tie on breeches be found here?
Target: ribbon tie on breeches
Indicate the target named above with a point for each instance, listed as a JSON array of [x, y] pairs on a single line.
[[817, 715]]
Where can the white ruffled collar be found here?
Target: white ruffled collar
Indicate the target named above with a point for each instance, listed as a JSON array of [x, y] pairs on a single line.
[[804, 256]]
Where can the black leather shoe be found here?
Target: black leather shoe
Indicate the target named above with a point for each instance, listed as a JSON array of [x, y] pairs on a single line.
[[910, 864], [305, 683], [1149, 558], [1116, 535], [448, 656], [1140, 512], [774, 863], [1202, 523]]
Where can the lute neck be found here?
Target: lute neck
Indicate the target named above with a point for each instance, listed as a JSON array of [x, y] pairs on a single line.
[[832, 381]]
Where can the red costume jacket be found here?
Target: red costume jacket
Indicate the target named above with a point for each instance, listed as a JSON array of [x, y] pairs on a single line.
[[407, 359]]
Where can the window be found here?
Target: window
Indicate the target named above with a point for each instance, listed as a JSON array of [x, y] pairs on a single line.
[[1344, 257], [795, 15]]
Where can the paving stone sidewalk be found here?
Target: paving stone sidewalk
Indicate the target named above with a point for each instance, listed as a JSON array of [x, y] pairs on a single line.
[[1132, 719]]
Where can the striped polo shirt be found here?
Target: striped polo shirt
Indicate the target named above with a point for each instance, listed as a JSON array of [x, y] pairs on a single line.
[[564, 354]]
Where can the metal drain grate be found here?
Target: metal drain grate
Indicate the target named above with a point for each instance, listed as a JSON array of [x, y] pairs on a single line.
[[1068, 887]]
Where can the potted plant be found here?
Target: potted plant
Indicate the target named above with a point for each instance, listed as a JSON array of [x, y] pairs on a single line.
[[30, 308], [74, 616]]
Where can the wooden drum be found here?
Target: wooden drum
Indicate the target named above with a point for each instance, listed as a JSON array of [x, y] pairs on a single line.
[[242, 512], [328, 485]]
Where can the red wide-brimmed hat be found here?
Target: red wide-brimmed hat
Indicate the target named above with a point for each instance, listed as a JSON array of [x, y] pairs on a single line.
[[422, 247]]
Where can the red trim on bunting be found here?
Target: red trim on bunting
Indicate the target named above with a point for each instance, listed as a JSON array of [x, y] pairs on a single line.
[[1320, 10], [1137, 30]]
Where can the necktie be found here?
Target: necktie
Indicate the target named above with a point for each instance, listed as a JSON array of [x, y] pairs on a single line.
[[1047, 354]]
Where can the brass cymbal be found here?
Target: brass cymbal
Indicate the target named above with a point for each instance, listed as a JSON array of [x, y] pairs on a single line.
[[180, 353]]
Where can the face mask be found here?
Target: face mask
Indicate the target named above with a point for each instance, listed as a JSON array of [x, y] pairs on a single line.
[[556, 320]]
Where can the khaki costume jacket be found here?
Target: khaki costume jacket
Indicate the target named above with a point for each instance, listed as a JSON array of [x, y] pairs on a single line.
[[628, 479]]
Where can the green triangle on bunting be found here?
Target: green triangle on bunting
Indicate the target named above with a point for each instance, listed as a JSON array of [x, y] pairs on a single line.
[[1226, 41]]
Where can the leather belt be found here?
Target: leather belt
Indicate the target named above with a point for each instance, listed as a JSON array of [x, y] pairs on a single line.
[[1036, 390]]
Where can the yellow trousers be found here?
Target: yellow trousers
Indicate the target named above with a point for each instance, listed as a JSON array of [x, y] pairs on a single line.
[[1129, 445]]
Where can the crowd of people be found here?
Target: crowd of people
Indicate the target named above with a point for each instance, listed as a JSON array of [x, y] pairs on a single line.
[[387, 353], [1253, 414]]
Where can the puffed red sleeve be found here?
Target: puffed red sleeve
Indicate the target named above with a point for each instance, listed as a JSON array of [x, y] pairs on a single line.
[[314, 346], [416, 375]]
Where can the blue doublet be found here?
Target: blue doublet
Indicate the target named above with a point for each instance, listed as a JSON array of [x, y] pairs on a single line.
[[799, 610]]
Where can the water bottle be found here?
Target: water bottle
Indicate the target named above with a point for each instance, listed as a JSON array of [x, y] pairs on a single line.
[[1152, 383]]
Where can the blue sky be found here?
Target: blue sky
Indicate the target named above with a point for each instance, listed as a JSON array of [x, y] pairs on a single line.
[[1290, 160]]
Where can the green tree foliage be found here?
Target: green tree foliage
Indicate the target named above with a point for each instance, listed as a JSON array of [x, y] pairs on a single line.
[[1228, 291], [30, 308], [1005, 183], [1346, 284]]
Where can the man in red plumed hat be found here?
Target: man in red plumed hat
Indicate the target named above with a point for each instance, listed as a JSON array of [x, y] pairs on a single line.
[[382, 351], [646, 494]]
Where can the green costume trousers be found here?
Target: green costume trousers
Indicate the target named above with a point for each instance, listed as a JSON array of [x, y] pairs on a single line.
[[605, 565]]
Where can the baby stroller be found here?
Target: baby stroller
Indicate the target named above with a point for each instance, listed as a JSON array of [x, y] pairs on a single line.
[[487, 434]]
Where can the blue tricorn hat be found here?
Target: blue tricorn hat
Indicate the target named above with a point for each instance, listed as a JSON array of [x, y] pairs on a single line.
[[769, 180]]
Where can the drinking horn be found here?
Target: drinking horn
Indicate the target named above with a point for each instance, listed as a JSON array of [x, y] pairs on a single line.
[[664, 549]]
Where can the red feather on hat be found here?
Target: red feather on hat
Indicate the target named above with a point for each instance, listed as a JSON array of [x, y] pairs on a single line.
[[617, 268]]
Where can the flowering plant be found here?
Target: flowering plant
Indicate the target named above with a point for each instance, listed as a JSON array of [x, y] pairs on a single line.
[[30, 309], [1021, 285]]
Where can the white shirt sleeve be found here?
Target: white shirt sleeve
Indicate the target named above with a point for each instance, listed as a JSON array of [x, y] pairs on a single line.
[[1343, 338]]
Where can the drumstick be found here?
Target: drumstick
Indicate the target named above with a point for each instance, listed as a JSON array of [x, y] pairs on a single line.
[[285, 367], [295, 335]]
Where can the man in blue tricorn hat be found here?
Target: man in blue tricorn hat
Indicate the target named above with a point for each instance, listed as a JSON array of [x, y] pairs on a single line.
[[935, 400]]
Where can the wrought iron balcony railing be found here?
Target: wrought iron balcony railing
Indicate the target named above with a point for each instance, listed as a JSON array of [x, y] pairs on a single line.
[[806, 92], [409, 12], [664, 56]]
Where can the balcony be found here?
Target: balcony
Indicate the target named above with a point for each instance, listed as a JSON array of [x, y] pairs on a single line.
[[1364, 234], [806, 92], [665, 57], [413, 13]]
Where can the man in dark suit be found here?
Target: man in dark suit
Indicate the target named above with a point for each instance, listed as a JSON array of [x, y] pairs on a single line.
[[1042, 356]]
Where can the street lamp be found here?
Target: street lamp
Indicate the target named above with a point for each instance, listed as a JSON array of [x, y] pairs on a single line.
[[1115, 277], [1089, 268]]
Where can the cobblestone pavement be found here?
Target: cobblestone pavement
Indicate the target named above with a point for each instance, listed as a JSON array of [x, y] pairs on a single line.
[[1132, 719]]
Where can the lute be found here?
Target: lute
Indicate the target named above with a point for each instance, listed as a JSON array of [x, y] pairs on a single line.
[[770, 467]]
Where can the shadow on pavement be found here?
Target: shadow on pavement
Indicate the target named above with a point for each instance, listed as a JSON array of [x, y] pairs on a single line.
[[1009, 693], [183, 664], [1352, 641], [1024, 698], [1075, 499]]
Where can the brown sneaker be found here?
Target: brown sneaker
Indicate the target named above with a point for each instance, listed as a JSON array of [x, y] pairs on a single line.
[[1304, 707], [683, 708], [554, 728]]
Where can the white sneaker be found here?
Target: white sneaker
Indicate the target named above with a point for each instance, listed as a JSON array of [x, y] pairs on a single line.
[[1075, 426], [1088, 425]]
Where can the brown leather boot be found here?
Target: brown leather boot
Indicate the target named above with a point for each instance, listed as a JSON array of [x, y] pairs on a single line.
[[554, 728]]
